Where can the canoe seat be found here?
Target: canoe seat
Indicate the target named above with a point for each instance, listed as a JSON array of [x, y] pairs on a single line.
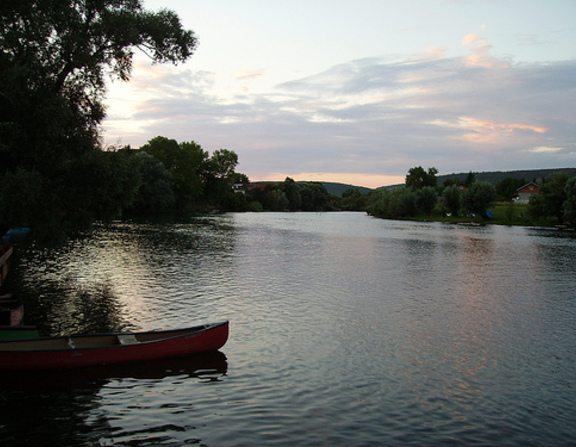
[[127, 339]]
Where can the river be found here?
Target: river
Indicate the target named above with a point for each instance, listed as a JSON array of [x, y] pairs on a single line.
[[345, 330]]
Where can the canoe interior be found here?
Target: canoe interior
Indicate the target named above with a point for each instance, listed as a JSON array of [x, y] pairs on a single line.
[[18, 332], [101, 340]]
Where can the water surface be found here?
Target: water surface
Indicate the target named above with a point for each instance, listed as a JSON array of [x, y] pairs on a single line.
[[345, 330]]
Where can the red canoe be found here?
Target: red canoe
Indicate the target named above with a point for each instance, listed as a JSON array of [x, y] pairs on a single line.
[[106, 349]]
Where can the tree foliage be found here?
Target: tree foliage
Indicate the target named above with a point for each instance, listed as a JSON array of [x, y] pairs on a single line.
[[570, 202], [292, 192], [185, 162], [478, 197], [550, 199], [293, 196], [353, 200], [506, 188], [418, 178], [56, 57], [426, 200], [470, 178], [156, 193], [452, 199], [394, 204]]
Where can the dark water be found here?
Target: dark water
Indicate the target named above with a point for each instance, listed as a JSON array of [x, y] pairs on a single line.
[[345, 331]]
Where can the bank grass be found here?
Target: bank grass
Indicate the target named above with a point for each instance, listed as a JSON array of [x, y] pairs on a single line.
[[504, 213]]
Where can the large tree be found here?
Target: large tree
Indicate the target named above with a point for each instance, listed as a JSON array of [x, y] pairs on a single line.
[[219, 175], [452, 199], [478, 197], [185, 162], [55, 58], [418, 178], [426, 199], [550, 198]]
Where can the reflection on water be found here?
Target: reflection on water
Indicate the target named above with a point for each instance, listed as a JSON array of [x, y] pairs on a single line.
[[69, 308], [70, 407], [345, 330]]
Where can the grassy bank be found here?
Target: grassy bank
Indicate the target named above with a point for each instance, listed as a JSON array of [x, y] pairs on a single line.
[[504, 214]]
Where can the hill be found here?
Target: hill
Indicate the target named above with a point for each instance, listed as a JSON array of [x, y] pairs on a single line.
[[338, 188], [493, 177], [332, 187]]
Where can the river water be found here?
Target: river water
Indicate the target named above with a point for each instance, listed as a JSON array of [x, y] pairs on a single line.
[[345, 330]]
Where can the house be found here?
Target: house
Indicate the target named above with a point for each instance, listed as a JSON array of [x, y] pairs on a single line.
[[523, 194], [239, 187]]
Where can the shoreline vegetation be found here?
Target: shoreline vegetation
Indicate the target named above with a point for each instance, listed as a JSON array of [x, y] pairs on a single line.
[[504, 213]]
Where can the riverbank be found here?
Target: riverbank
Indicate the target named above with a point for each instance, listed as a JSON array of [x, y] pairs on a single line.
[[503, 213]]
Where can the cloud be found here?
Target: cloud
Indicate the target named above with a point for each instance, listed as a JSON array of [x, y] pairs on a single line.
[[545, 149], [249, 74], [487, 131], [481, 56], [372, 116], [469, 39]]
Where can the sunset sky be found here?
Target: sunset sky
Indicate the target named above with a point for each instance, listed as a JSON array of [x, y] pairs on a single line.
[[360, 91]]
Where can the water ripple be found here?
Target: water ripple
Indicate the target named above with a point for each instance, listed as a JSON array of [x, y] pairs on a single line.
[[345, 330]]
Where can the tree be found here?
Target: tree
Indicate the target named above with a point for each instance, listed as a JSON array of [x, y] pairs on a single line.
[[113, 179], [418, 178], [55, 58], [155, 193], [403, 203], [393, 204], [426, 199], [22, 198], [353, 200], [219, 174], [507, 187], [550, 198], [223, 163], [478, 197], [570, 202], [452, 181], [186, 163], [314, 196], [452, 199], [470, 178], [268, 196], [292, 191]]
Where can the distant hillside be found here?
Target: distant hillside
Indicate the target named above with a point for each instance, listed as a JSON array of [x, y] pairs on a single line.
[[534, 175], [338, 188], [333, 188]]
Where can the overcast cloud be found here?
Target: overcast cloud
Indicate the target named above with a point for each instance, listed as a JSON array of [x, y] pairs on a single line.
[[365, 121]]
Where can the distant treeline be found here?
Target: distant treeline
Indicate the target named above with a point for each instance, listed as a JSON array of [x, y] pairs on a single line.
[[553, 204]]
